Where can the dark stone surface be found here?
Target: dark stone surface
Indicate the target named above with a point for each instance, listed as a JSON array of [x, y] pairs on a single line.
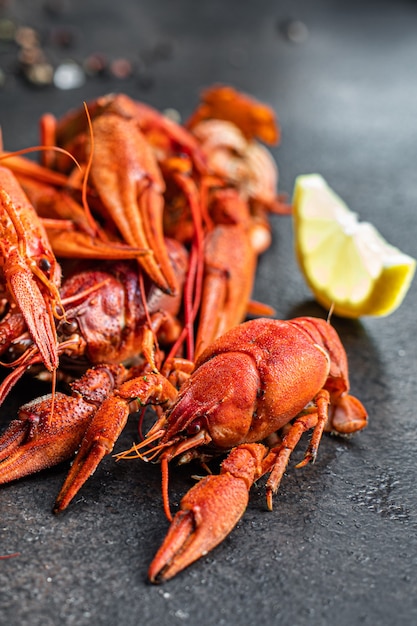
[[340, 546]]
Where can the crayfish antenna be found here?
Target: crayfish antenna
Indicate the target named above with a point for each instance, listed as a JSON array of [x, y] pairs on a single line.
[[165, 485], [330, 313], [90, 219], [135, 452]]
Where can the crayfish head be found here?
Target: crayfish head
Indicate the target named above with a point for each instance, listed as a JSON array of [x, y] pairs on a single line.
[[216, 403], [94, 303]]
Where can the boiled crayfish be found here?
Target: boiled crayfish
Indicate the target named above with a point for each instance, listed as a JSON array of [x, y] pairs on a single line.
[[189, 206], [261, 378], [29, 273]]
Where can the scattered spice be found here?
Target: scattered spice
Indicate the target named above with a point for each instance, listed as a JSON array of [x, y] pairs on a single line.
[[69, 75], [121, 68], [96, 64], [34, 55]]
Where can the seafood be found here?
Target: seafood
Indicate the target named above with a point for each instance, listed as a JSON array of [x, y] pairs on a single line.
[[108, 324], [231, 252], [110, 317], [129, 189], [263, 381], [166, 165], [29, 273], [253, 118], [109, 320], [293, 377], [169, 168], [190, 207]]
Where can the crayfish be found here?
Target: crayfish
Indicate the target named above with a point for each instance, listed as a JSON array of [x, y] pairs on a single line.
[[167, 222], [261, 378]]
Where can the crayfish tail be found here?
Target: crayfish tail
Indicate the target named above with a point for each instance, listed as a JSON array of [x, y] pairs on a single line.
[[348, 415]]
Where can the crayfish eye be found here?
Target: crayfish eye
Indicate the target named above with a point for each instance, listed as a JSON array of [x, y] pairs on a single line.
[[70, 327], [44, 264], [194, 428]]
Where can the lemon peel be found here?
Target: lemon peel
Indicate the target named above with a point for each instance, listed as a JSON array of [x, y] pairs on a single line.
[[346, 263]]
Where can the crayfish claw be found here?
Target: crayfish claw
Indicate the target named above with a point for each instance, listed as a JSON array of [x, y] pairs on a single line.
[[98, 441], [34, 441], [83, 467], [208, 513], [179, 535]]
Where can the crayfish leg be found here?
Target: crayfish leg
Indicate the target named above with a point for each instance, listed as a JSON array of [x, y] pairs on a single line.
[[315, 418], [322, 401]]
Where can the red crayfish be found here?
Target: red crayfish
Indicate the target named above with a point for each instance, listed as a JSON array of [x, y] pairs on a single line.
[[261, 378]]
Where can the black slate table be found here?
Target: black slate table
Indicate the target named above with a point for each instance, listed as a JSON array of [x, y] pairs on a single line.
[[340, 545]]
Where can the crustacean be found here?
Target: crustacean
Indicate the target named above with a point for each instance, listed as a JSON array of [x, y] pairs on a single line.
[[264, 378], [171, 164], [292, 377], [254, 387], [221, 215], [29, 272], [111, 316]]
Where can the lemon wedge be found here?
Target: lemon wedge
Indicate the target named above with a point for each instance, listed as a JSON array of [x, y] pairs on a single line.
[[346, 263]]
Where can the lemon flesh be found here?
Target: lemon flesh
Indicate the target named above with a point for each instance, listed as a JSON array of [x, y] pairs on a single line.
[[346, 263]]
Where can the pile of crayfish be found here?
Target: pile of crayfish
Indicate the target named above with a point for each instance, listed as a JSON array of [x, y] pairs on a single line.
[[157, 228]]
